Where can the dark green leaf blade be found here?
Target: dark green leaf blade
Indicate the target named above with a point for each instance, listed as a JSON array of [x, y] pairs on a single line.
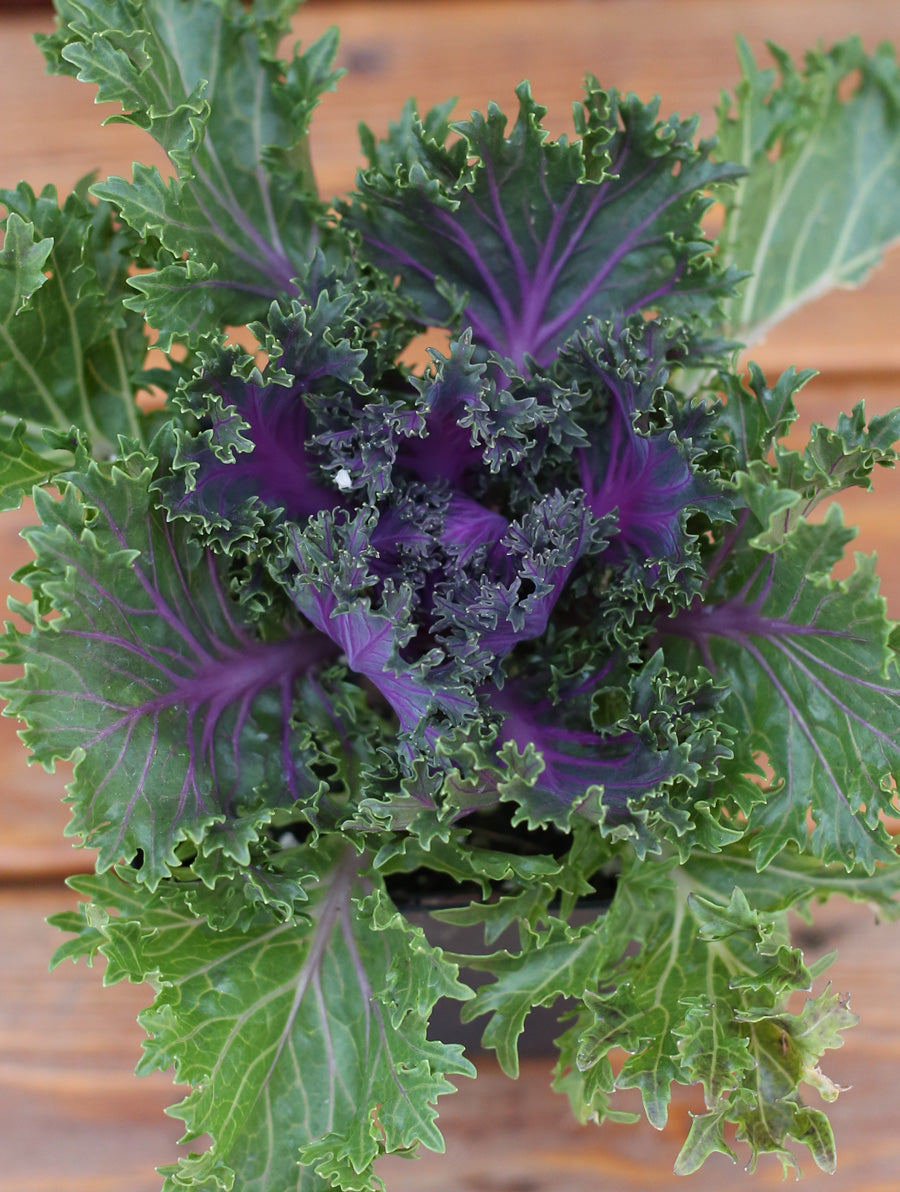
[[72, 355], [239, 1012], [149, 679], [814, 688], [233, 121]]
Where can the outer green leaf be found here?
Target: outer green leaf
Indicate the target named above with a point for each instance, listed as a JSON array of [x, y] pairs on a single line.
[[201, 1173], [72, 355], [642, 1006], [816, 1029], [713, 1054], [847, 455], [821, 198], [20, 467], [233, 120], [182, 295], [777, 509], [786, 487], [169, 704], [816, 1134], [833, 460], [702, 1000], [418, 975], [758, 416], [22, 265], [239, 1013], [814, 688], [558, 963], [706, 1137], [791, 879], [479, 866], [23, 259]]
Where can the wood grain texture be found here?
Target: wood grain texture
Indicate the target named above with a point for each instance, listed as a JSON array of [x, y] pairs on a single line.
[[72, 1116]]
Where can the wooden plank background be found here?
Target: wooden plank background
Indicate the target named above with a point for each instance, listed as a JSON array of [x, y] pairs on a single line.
[[72, 1116]]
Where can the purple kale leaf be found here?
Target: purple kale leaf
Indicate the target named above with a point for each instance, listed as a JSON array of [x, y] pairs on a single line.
[[253, 455], [522, 238], [479, 416], [814, 690], [471, 530], [508, 593], [330, 580], [178, 715], [450, 394], [644, 459], [623, 747]]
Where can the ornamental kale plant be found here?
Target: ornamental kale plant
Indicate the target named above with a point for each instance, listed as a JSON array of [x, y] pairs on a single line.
[[544, 634]]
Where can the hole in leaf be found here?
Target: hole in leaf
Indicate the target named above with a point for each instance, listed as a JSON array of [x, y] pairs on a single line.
[[849, 85]]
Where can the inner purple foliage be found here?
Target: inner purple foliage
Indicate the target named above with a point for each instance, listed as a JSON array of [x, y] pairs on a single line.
[[531, 610], [397, 533], [575, 760], [509, 596], [469, 526], [645, 478], [447, 452], [278, 469], [278, 463], [371, 640]]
